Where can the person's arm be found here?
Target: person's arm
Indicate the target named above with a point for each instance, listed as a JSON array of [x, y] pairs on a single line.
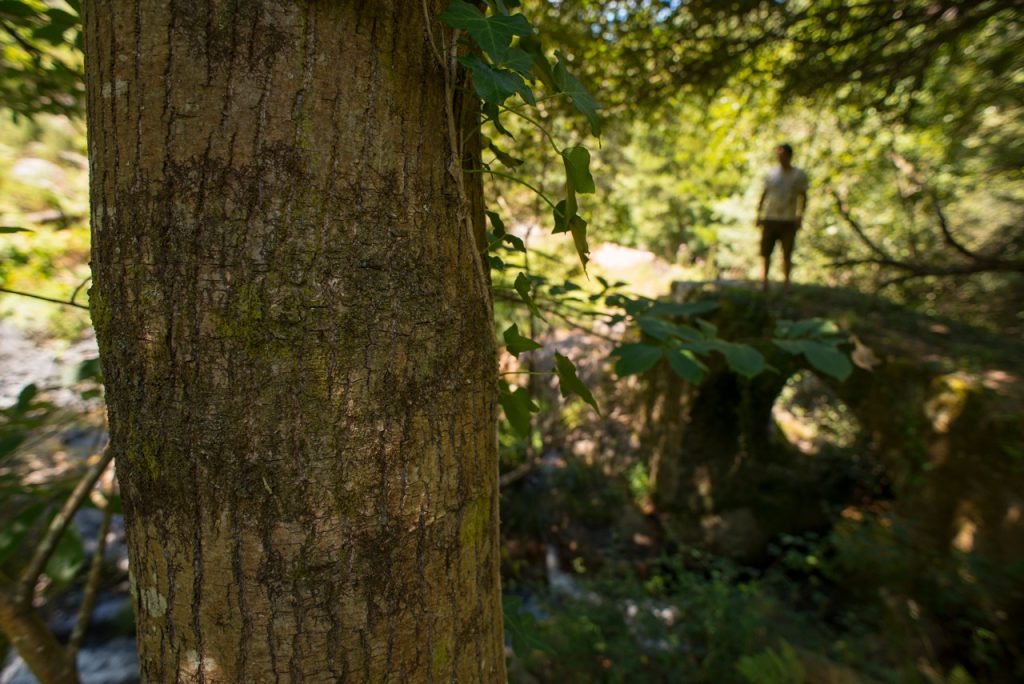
[[760, 206]]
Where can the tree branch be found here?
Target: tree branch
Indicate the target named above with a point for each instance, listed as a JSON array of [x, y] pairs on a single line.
[[59, 524], [46, 299], [92, 583]]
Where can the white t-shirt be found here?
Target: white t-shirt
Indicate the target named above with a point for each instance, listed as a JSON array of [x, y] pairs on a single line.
[[782, 188]]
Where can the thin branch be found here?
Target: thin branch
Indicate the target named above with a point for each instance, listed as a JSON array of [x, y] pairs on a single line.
[[558, 314], [45, 299], [947, 235], [518, 473], [59, 525], [512, 178], [844, 211], [537, 124], [79, 289], [92, 583]]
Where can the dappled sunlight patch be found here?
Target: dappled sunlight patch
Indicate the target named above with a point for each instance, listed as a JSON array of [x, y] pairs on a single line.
[[811, 417]]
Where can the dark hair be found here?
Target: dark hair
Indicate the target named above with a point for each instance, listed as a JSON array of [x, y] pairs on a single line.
[[787, 148]]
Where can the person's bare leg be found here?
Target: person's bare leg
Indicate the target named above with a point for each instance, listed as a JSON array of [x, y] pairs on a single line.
[[787, 261], [765, 266]]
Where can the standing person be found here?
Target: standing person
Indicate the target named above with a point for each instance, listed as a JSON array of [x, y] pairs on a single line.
[[780, 211]]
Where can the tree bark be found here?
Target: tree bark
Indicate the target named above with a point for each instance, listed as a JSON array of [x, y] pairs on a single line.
[[296, 343]]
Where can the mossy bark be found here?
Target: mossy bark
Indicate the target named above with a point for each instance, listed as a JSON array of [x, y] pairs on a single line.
[[296, 343]]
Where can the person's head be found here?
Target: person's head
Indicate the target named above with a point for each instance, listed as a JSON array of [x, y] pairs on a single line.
[[784, 153]]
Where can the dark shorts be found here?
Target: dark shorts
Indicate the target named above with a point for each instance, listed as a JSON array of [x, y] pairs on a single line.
[[778, 231]]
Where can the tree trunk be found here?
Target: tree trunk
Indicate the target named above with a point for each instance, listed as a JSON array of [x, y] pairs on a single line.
[[296, 343]]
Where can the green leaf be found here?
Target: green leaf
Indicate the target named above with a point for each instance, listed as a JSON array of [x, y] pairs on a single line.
[[578, 228], [541, 66], [656, 327], [87, 370], [741, 358], [577, 169], [496, 85], [636, 358], [514, 243], [25, 397], [518, 406], [504, 157], [570, 384], [523, 286], [516, 343], [829, 360], [6, 230], [497, 224], [684, 310], [16, 8], [661, 329], [519, 61], [563, 213], [493, 115], [13, 532], [633, 306], [709, 329], [823, 356], [685, 364], [809, 327], [493, 34], [67, 558], [568, 84]]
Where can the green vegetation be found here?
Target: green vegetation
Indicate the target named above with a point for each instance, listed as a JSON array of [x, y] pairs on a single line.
[[700, 482]]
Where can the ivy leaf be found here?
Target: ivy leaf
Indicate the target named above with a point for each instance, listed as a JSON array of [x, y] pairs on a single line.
[[497, 224], [636, 358], [514, 242], [563, 213], [516, 343], [493, 115], [568, 221], [541, 66], [495, 85], [523, 285], [685, 364], [578, 228], [495, 262], [518, 406], [569, 383], [504, 157], [520, 61], [568, 84], [493, 34], [577, 169], [6, 230]]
